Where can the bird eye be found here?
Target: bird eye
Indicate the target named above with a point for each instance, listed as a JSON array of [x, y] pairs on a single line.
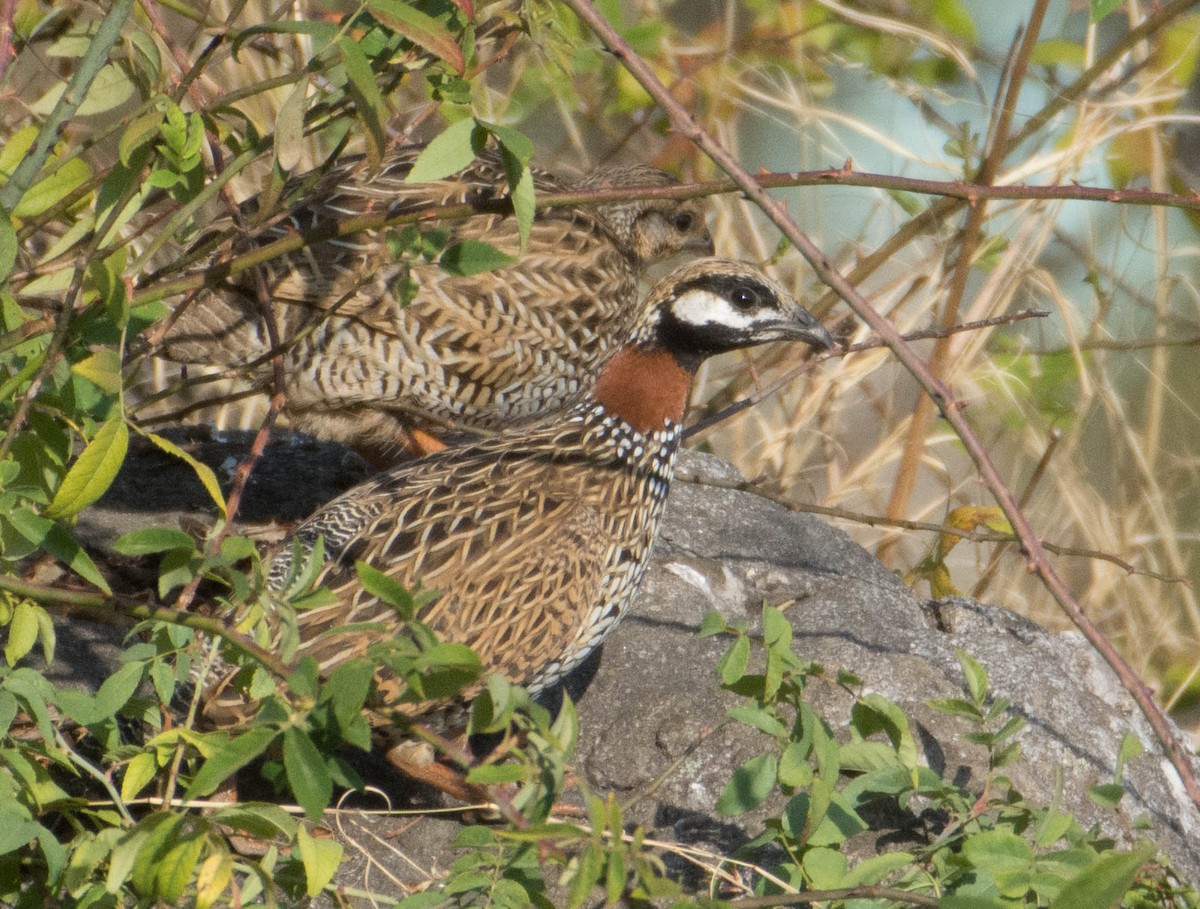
[[683, 221], [744, 297]]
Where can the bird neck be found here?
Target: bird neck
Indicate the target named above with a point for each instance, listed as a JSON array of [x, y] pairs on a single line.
[[644, 386]]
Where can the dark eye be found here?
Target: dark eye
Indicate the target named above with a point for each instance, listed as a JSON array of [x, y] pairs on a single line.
[[683, 221], [744, 297]]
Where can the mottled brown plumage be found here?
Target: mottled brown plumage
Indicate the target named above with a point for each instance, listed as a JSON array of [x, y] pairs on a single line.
[[535, 539], [476, 352]]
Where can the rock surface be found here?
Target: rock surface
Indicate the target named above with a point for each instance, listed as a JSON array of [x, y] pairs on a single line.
[[653, 718]]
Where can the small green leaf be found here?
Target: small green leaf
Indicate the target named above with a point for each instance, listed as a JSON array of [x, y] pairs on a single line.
[[421, 29], [22, 632], [307, 774], [395, 594], [138, 772], [759, 718], [497, 774], [289, 126], [713, 623], [733, 665], [8, 245], [139, 133], [53, 189], [975, 674], [228, 759], [1107, 795], [1131, 747], [102, 369], [471, 257], [367, 99], [448, 152], [348, 687], [59, 543], [16, 832], [264, 821], [94, 470], [321, 857], [203, 472], [118, 688], [1103, 883], [749, 785], [152, 540]]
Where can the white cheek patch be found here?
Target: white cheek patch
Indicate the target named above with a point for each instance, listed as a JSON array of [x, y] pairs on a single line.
[[703, 307]]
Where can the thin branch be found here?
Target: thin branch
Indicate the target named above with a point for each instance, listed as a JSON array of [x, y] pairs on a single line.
[[759, 488], [792, 374], [683, 122], [124, 613]]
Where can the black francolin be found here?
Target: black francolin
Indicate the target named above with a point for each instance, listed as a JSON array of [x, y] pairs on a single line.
[[535, 539], [382, 353]]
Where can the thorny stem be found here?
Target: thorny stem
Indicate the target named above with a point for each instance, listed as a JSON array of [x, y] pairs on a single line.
[[683, 122]]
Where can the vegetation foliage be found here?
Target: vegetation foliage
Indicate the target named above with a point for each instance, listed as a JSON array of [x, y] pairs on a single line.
[[128, 126]]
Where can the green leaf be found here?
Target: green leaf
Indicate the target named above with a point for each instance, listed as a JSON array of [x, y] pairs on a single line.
[[178, 865], [263, 821], [8, 245], [367, 100], [94, 470], [53, 189], [118, 688], [471, 257], [102, 369], [141, 132], [307, 774], [497, 774], [203, 472], [448, 152], [392, 592], [152, 540], [1107, 795], [348, 687], [140, 770], [1131, 747], [749, 785], [733, 664], [228, 759], [55, 540], [289, 126], [975, 674], [16, 832], [794, 769], [713, 623], [321, 858], [421, 29], [998, 851], [1103, 883], [22, 632], [759, 718], [515, 153], [956, 707]]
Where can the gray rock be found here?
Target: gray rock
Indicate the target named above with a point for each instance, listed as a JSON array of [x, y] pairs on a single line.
[[653, 723]]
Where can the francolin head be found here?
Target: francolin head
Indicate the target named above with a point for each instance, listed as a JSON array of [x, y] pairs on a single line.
[[535, 539], [383, 355]]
